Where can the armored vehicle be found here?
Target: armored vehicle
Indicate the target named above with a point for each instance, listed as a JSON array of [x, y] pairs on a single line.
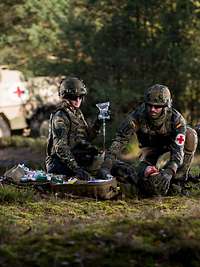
[[14, 94], [25, 106], [43, 97]]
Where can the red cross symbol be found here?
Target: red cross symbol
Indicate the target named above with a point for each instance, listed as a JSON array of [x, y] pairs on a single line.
[[180, 139], [19, 92]]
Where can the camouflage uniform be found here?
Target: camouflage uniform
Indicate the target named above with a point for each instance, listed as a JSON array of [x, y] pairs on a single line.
[[155, 137], [69, 148]]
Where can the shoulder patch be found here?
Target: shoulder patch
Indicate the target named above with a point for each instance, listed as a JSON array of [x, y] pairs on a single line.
[[180, 139]]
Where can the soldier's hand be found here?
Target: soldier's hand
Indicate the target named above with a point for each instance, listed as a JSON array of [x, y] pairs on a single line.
[[158, 184], [82, 174], [104, 174], [150, 170], [162, 181], [167, 174]]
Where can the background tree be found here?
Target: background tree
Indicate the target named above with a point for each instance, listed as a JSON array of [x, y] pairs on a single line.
[[118, 47]]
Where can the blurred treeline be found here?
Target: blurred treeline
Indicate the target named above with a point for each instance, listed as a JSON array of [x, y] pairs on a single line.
[[118, 47]]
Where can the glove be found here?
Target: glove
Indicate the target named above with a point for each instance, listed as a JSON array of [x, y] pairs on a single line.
[[82, 174], [160, 182], [167, 174], [150, 170], [104, 174]]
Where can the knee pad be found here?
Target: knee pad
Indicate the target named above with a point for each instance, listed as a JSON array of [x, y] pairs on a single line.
[[191, 141]]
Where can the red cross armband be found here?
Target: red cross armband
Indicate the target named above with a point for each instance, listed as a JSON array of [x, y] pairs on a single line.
[[180, 139]]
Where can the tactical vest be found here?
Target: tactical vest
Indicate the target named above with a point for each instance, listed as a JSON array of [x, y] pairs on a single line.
[[78, 129], [154, 136]]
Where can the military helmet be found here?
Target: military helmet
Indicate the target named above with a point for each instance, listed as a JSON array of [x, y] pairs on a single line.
[[158, 95], [72, 87]]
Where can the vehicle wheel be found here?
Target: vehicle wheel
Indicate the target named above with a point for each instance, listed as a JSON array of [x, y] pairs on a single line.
[[39, 124], [4, 128], [44, 128]]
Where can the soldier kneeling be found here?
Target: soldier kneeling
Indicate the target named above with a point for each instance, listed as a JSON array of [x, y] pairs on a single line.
[[69, 149], [159, 129]]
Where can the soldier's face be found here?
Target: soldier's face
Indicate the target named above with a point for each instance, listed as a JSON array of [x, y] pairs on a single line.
[[76, 101], [154, 111]]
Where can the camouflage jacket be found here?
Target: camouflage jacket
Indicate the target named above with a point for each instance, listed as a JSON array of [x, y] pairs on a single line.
[[67, 129], [169, 136]]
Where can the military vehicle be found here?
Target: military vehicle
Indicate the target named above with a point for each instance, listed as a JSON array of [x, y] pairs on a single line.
[[25, 106], [14, 95], [43, 97]]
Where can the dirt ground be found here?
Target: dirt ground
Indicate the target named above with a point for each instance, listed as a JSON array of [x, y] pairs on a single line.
[[24, 155]]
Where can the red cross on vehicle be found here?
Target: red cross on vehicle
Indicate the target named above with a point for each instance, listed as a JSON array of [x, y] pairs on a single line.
[[19, 92], [180, 139]]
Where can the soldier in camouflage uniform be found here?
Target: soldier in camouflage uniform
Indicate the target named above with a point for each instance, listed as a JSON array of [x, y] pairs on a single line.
[[159, 129], [69, 149]]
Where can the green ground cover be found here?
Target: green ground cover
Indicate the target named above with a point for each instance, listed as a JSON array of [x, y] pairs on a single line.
[[37, 231], [45, 230]]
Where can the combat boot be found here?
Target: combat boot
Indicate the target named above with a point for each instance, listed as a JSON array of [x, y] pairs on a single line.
[[183, 171]]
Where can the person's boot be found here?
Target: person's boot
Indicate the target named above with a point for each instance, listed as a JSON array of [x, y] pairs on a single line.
[[183, 171]]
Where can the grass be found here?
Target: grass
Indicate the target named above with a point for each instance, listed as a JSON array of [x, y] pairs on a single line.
[[23, 150], [44, 230], [68, 232], [18, 141]]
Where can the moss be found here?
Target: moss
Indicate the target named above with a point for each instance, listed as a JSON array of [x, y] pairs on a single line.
[[9, 194], [37, 231], [149, 232]]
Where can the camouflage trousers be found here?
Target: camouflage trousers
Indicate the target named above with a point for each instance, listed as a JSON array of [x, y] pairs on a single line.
[[90, 163], [124, 172], [127, 178]]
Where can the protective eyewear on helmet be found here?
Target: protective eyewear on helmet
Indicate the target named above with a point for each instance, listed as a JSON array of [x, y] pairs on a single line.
[[155, 106], [75, 97]]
